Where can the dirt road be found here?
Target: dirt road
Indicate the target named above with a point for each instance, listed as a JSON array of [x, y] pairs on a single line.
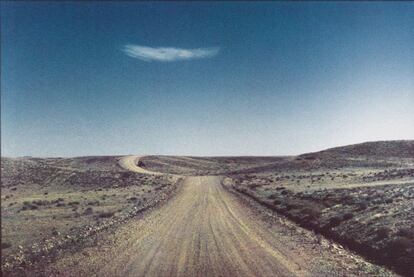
[[131, 163], [201, 232], [206, 231]]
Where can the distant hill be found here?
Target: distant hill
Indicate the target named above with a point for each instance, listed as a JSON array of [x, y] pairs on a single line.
[[367, 154], [376, 149]]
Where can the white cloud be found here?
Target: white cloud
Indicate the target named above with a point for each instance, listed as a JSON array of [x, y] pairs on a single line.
[[168, 54]]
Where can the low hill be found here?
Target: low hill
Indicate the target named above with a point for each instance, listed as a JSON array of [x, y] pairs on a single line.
[[376, 149], [367, 154]]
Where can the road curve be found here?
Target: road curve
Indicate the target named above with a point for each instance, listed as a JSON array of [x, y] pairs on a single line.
[[131, 163], [203, 231]]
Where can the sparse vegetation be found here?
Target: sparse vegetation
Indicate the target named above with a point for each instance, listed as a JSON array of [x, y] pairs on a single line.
[[58, 197], [360, 201]]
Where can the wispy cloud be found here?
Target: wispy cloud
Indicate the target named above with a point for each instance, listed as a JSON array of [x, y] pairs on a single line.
[[168, 54]]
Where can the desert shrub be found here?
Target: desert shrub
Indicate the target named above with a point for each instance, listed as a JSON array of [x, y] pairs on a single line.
[[383, 233], [88, 210], [406, 232], [277, 202], [293, 205], [272, 196], [60, 204], [40, 202], [29, 206], [132, 198], [74, 203], [333, 222], [362, 206], [240, 189], [311, 212], [5, 245], [348, 216], [398, 246], [106, 214]]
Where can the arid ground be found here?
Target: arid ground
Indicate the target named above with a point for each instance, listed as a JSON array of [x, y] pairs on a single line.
[[346, 211]]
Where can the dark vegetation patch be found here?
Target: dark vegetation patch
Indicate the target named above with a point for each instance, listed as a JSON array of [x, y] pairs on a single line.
[[106, 214]]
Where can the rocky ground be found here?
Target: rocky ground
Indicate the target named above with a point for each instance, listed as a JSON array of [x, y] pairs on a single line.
[[362, 198], [48, 204]]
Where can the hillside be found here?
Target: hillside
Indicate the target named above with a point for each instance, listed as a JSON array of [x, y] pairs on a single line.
[[376, 149]]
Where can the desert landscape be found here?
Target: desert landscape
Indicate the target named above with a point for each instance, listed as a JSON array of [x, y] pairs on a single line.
[[345, 211], [207, 138]]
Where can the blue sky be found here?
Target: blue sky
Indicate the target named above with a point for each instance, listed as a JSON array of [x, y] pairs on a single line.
[[204, 78]]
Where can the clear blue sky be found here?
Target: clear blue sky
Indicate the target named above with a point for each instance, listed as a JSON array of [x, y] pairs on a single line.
[[204, 78]]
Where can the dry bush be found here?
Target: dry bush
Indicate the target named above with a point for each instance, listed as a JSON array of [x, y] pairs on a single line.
[[106, 214]]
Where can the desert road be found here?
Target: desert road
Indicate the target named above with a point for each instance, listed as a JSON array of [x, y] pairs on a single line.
[[131, 163], [205, 230]]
